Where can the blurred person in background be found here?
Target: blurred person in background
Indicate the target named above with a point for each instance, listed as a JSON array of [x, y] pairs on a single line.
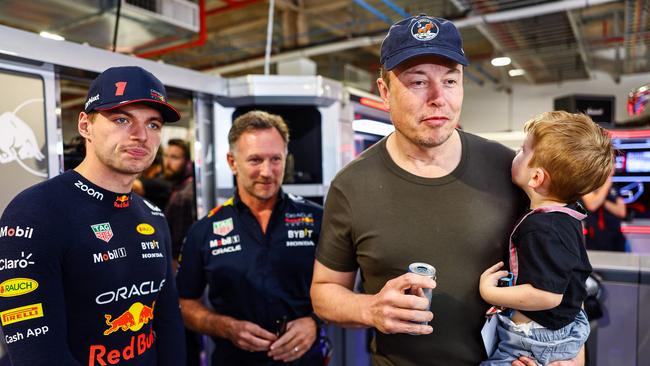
[[181, 207], [603, 224], [181, 214], [152, 184]]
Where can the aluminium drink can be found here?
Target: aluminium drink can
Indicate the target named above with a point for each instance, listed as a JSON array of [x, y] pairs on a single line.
[[424, 269]]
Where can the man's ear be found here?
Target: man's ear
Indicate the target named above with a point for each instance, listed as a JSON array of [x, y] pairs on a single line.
[[231, 163], [384, 92], [84, 126]]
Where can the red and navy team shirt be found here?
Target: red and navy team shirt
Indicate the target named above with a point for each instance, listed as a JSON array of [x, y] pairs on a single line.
[[86, 279], [254, 276]]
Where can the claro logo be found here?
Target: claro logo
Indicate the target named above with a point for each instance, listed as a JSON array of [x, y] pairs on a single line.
[[90, 191], [22, 262]]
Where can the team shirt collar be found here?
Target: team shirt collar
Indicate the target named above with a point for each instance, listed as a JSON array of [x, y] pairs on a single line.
[[97, 194]]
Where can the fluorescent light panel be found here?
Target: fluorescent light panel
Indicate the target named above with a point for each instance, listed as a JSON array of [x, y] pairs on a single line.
[[500, 61], [516, 72], [53, 36], [372, 127]]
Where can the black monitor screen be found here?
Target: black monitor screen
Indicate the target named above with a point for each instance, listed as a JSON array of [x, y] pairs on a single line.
[[305, 160]]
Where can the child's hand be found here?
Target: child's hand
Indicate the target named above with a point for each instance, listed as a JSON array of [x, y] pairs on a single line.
[[490, 278]]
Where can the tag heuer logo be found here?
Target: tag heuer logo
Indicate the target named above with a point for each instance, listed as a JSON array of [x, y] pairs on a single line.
[[223, 227], [102, 231]]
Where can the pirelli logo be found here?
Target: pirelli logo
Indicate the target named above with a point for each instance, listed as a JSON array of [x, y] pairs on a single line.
[[22, 313]]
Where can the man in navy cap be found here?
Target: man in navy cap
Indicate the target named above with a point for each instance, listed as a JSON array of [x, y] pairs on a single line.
[[428, 192], [85, 266]]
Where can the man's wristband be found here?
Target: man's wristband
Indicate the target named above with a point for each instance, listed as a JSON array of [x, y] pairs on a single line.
[[317, 320]]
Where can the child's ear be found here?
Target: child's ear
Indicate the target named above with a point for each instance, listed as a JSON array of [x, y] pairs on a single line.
[[539, 178]]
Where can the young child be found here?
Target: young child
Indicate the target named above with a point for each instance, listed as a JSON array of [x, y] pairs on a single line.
[[563, 157]]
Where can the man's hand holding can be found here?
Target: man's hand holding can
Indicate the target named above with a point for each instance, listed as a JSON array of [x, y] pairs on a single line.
[[396, 310]]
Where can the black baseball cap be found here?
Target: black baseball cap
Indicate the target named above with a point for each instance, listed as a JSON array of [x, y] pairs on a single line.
[[118, 86], [421, 35]]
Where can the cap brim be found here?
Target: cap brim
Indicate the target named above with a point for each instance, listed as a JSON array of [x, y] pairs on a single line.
[[393, 61], [168, 113]]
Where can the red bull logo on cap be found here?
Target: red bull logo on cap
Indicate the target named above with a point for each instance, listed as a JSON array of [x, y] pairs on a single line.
[[157, 95], [133, 319]]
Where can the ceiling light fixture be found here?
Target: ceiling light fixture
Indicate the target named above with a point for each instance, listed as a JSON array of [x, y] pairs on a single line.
[[500, 61], [53, 36], [516, 72]]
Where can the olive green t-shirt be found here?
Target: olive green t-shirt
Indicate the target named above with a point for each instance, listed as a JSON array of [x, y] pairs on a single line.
[[380, 218]]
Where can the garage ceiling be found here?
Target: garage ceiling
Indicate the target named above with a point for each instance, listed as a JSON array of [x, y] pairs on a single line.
[[552, 41]]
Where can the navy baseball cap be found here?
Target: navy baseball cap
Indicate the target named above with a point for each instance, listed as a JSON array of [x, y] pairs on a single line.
[[421, 35], [125, 85]]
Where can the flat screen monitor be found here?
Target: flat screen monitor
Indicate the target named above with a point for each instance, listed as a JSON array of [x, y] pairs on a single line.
[[632, 174]]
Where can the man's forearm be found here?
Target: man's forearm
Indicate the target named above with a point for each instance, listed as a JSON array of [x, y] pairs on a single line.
[[201, 319], [336, 304]]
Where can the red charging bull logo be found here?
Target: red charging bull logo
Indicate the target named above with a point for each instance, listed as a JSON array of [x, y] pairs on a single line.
[[133, 319], [18, 142]]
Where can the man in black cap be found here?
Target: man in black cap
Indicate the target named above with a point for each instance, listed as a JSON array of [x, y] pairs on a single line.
[[85, 263], [428, 192]]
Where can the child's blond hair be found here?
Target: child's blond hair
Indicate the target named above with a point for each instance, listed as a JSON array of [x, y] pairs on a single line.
[[573, 150]]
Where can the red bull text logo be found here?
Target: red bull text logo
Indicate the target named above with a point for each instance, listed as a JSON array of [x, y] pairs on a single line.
[[121, 201], [17, 232], [138, 345], [133, 319]]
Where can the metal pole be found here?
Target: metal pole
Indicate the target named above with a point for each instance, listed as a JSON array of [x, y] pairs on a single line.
[[269, 36]]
